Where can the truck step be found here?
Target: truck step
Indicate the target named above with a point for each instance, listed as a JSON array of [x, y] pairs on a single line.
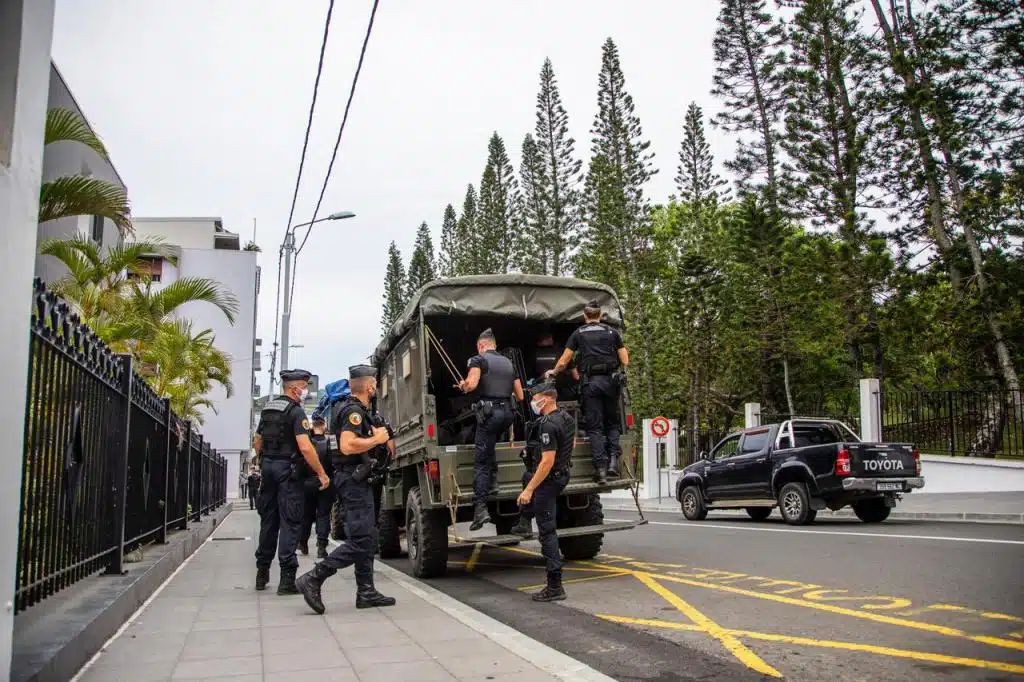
[[561, 532]]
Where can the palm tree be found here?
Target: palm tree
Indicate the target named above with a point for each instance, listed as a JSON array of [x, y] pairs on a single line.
[[76, 195], [185, 365]]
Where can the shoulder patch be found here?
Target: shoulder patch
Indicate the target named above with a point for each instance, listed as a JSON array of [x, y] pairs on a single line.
[[545, 439], [355, 419], [305, 424]]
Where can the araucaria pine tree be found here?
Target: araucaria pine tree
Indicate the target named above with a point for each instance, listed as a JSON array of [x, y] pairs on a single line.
[[498, 220], [533, 245], [699, 186], [394, 288], [561, 176], [748, 65], [421, 265], [448, 258], [466, 239]]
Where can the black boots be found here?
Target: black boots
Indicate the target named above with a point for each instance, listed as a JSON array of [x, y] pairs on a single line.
[[287, 584], [480, 516], [368, 597], [613, 466], [304, 548], [553, 591], [262, 578], [321, 550], [601, 476], [309, 585], [523, 527]]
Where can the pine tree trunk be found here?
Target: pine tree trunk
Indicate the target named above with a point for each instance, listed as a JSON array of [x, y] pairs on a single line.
[[785, 381]]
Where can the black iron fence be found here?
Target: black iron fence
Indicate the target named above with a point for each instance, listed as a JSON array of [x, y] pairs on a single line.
[[108, 466], [965, 423]]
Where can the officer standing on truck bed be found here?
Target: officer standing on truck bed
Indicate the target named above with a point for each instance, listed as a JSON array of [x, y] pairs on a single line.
[[546, 357], [492, 380], [318, 502], [356, 437], [555, 434], [281, 443], [602, 362]]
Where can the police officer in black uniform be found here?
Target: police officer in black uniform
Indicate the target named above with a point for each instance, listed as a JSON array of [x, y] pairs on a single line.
[[555, 432], [492, 381], [318, 502], [253, 483], [545, 359], [355, 438], [282, 443], [602, 362]]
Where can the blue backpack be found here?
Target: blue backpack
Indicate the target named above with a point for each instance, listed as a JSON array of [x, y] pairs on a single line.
[[334, 392]]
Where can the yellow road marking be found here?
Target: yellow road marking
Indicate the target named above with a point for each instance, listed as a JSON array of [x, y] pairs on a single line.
[[843, 595], [474, 557], [735, 646], [843, 611], [849, 646], [577, 580]]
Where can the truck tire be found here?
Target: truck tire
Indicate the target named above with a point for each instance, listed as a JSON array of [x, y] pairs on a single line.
[[337, 522], [426, 532], [759, 513], [795, 504], [872, 511], [692, 502], [583, 547], [389, 535]]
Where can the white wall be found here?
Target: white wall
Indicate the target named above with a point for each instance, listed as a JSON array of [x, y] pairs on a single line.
[[970, 475], [26, 33], [188, 233]]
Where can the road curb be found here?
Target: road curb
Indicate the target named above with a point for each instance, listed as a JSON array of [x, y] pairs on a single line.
[[952, 517], [538, 654]]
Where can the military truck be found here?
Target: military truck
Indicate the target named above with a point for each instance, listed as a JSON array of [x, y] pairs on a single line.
[[428, 488]]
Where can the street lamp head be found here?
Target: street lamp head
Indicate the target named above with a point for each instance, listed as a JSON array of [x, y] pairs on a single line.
[[341, 215]]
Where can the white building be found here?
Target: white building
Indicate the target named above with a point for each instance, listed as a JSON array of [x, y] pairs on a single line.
[[203, 248]]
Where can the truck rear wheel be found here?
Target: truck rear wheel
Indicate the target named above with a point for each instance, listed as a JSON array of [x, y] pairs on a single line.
[[583, 547], [795, 504], [872, 511], [389, 535], [337, 521], [426, 532]]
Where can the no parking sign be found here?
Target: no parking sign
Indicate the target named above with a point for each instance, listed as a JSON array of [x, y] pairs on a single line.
[[660, 427]]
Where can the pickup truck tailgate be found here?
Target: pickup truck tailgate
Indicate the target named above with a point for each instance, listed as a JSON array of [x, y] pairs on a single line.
[[883, 460]]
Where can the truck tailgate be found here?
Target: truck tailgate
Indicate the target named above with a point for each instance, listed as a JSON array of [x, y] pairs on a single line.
[[882, 460]]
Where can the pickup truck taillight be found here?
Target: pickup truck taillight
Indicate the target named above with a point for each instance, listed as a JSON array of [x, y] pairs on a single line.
[[917, 462], [843, 463]]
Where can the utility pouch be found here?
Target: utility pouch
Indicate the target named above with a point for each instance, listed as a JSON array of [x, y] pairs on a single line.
[[362, 472]]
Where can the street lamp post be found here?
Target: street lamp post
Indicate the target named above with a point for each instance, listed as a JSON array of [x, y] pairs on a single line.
[[288, 247]]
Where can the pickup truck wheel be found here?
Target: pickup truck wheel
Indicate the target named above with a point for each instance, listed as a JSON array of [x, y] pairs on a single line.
[[583, 547], [759, 513], [692, 502], [871, 511], [795, 504], [426, 532], [337, 521], [389, 535]]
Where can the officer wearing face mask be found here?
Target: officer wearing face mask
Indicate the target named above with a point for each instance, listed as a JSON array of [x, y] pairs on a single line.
[[554, 434], [282, 443]]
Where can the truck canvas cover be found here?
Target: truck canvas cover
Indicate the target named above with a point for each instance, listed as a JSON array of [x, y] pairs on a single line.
[[539, 298]]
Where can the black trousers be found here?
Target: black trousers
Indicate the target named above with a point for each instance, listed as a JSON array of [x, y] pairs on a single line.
[[317, 511], [253, 493], [279, 504], [602, 418], [360, 530], [488, 431], [544, 506]]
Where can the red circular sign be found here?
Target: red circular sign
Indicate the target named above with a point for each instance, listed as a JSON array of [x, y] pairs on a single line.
[[660, 427]]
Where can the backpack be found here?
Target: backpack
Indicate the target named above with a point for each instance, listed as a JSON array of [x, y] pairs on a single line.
[[334, 392]]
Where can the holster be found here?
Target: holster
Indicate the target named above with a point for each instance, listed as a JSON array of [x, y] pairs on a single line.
[[619, 380], [484, 409]]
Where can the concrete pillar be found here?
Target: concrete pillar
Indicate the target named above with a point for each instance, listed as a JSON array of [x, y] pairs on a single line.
[[26, 34], [870, 410], [751, 415]]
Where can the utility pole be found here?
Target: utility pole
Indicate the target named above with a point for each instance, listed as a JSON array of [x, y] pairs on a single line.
[[286, 311]]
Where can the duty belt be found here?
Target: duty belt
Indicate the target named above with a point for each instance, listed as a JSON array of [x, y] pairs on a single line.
[[276, 458]]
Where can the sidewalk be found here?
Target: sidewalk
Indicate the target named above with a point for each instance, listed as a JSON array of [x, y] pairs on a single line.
[[207, 623], [970, 507]]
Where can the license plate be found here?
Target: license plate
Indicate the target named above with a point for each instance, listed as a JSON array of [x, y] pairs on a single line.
[[889, 486]]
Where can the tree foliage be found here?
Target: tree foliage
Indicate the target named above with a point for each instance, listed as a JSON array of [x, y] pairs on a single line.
[[422, 268], [395, 288]]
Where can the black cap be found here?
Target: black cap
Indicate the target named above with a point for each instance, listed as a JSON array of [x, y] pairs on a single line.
[[361, 371], [319, 420], [295, 375], [486, 335], [543, 387], [592, 303]]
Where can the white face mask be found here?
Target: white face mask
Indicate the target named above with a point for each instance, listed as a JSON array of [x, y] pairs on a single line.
[[535, 404], [304, 394]]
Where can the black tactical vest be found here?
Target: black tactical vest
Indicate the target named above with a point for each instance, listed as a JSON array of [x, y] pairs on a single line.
[[566, 425], [323, 451], [598, 354], [348, 406], [278, 436], [497, 382]]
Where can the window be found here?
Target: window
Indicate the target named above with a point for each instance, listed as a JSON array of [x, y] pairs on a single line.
[[755, 441], [806, 434], [151, 267], [97, 229], [406, 365], [727, 448]]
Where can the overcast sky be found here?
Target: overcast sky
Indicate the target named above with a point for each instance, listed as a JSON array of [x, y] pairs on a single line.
[[203, 105]]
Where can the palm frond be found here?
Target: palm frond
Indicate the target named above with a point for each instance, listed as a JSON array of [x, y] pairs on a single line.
[[76, 195], [188, 289], [65, 124]]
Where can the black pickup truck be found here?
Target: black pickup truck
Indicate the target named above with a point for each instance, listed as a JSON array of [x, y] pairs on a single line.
[[802, 466]]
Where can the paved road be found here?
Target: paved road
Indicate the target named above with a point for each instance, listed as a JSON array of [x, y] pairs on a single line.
[[731, 599]]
